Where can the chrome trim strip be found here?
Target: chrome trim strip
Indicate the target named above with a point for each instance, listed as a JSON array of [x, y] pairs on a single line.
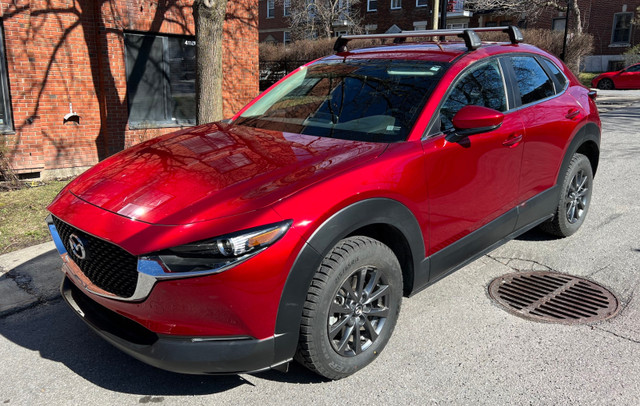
[[144, 283], [55, 235]]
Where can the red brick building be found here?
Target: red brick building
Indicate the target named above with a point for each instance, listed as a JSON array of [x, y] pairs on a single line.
[[378, 16], [608, 21], [84, 79]]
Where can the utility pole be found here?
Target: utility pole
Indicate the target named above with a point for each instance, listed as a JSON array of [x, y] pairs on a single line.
[[436, 11], [566, 30], [443, 14]]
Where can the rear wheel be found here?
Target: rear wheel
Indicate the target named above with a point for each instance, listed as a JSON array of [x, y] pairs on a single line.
[[575, 196], [351, 308], [606, 84]]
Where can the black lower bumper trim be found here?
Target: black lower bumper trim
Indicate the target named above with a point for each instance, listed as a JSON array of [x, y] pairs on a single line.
[[189, 355]]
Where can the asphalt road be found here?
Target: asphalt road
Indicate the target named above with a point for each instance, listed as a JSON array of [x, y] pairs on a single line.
[[452, 345]]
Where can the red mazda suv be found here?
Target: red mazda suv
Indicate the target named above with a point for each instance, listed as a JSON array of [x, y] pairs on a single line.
[[294, 229]]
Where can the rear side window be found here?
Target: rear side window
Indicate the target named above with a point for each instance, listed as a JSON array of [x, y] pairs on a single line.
[[562, 80], [533, 82], [480, 86]]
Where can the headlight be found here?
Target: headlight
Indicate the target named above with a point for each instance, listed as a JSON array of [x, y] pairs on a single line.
[[212, 255]]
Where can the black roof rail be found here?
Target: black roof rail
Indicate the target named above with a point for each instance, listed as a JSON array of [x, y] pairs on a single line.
[[471, 39]]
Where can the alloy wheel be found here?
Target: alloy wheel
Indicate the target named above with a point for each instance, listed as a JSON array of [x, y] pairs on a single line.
[[577, 196], [358, 312]]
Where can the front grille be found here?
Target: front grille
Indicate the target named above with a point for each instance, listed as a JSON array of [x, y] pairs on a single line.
[[106, 265]]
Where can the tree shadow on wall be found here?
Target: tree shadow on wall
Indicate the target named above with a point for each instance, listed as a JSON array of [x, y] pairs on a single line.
[[99, 27]]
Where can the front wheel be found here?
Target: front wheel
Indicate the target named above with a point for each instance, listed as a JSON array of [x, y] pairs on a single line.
[[575, 197], [351, 308], [606, 84]]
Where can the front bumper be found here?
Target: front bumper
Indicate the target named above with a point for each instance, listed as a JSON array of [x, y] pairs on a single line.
[[189, 355]]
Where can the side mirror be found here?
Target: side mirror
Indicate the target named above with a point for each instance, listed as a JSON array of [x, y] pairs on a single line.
[[472, 120]]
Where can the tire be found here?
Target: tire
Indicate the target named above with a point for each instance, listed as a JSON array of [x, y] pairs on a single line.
[[575, 197], [606, 84], [351, 308]]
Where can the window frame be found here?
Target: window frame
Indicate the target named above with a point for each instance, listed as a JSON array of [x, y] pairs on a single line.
[[286, 37], [556, 83], [557, 19], [465, 72], [616, 18], [369, 5], [513, 82], [271, 8], [7, 127], [167, 122], [286, 8], [398, 5], [426, 3], [433, 130]]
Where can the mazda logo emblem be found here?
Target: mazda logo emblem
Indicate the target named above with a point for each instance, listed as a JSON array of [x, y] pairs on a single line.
[[77, 247]]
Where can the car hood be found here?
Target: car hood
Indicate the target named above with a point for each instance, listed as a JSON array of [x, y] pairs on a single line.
[[213, 171], [608, 74]]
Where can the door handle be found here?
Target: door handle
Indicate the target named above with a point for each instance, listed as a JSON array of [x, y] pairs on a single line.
[[573, 113], [512, 140]]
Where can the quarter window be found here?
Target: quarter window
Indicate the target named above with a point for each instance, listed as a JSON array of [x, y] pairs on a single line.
[[396, 4], [422, 3], [286, 8], [161, 76], [562, 80], [6, 122], [533, 82], [372, 5], [482, 86]]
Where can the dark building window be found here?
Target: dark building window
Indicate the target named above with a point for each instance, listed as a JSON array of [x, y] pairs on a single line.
[[161, 78], [6, 121], [271, 8], [558, 24], [621, 28], [372, 5]]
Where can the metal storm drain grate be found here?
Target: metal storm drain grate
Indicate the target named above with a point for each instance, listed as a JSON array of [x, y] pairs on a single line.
[[553, 297]]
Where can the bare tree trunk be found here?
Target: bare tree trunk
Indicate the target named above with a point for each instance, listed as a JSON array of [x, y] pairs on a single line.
[[209, 21], [577, 17]]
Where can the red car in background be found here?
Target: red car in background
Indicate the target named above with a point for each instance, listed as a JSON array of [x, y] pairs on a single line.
[[295, 229], [627, 78]]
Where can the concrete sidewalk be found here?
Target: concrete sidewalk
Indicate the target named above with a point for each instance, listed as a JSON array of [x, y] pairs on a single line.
[[608, 100], [29, 277]]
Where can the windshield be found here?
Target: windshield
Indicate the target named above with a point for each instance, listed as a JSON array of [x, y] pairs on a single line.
[[365, 99]]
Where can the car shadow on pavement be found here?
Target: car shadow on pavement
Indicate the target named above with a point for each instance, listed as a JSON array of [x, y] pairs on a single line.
[[58, 335], [536, 234]]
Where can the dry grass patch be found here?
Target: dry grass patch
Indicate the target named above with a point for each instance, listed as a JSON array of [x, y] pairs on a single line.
[[22, 214]]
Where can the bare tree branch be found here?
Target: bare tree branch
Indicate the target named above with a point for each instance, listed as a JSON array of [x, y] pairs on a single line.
[[322, 18], [530, 9]]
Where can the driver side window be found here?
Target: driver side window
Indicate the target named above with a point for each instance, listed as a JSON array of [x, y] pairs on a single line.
[[481, 86]]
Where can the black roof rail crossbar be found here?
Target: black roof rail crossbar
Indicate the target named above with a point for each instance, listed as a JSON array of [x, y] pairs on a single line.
[[471, 39]]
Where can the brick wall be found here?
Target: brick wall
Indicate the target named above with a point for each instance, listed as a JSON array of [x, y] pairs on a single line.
[[72, 51], [597, 17], [383, 18]]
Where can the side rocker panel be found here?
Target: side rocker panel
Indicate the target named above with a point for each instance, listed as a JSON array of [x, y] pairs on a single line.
[[341, 224]]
